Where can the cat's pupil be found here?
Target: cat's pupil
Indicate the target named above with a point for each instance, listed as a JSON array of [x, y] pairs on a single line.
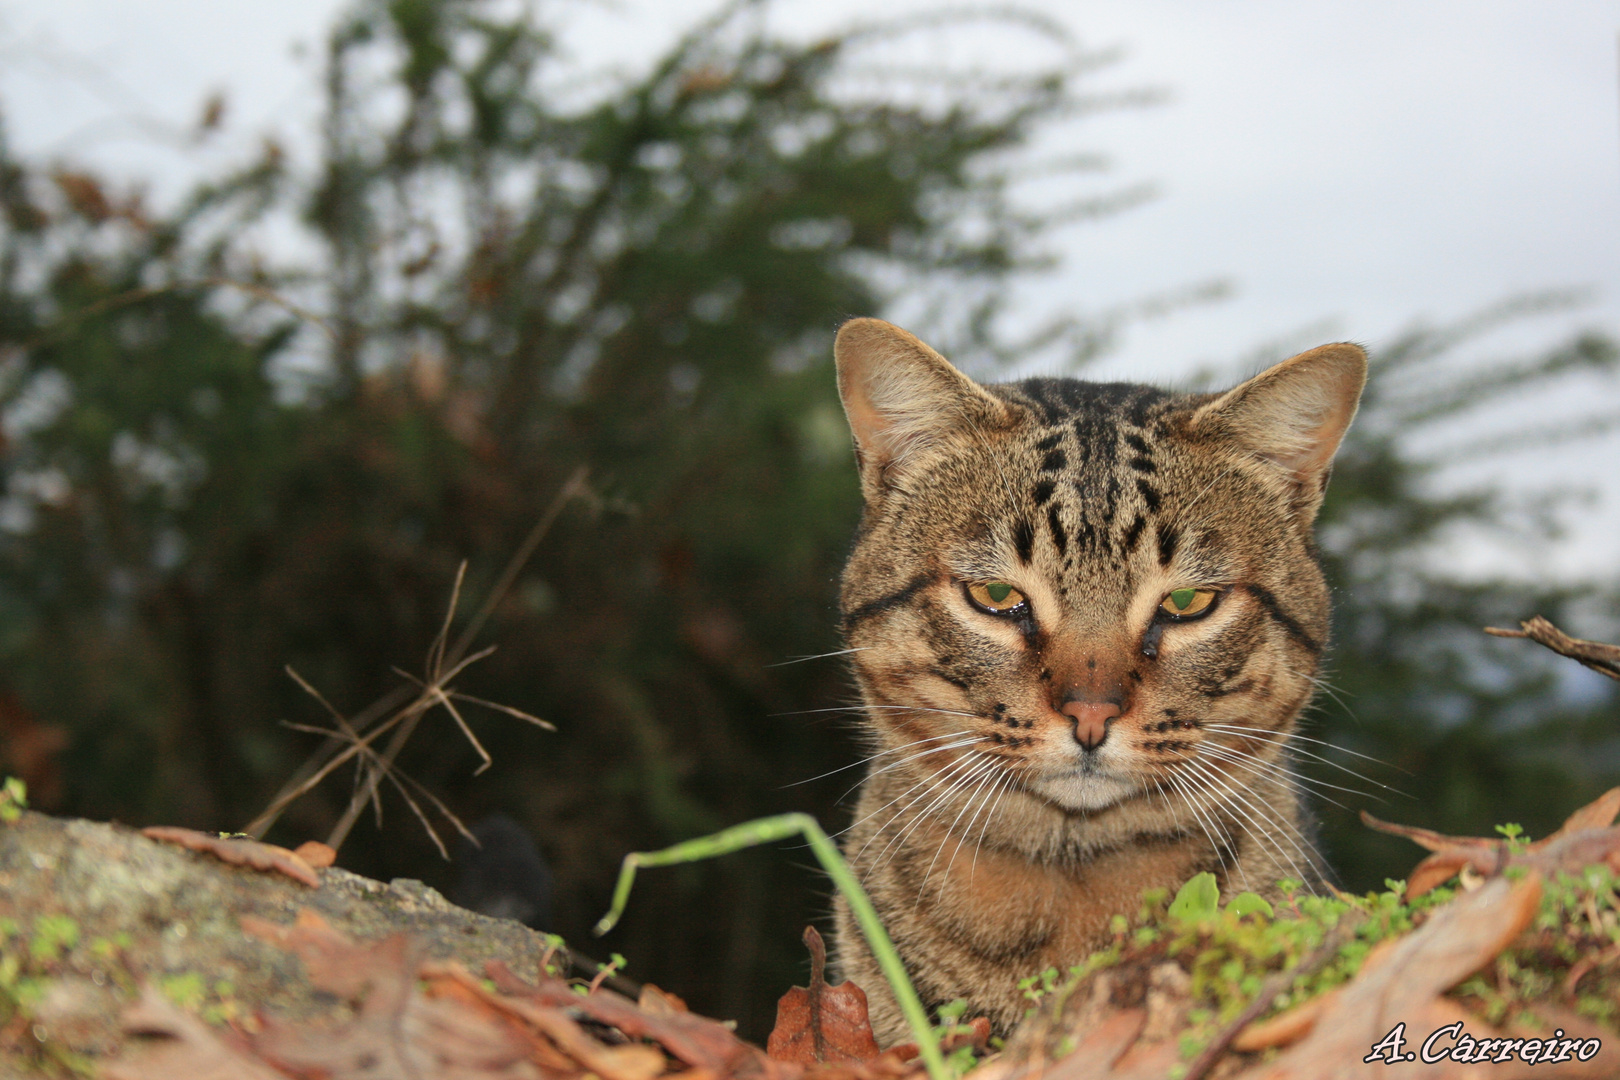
[[1183, 597], [998, 591]]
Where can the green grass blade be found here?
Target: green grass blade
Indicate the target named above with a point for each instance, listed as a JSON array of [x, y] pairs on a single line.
[[784, 826]]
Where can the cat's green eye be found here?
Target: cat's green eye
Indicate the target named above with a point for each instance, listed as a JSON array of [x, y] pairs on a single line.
[[996, 597], [1185, 603]]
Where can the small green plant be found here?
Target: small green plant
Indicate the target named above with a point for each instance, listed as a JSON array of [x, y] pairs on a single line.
[[616, 962], [1231, 952], [13, 799], [1036, 987], [962, 1059], [1514, 832]]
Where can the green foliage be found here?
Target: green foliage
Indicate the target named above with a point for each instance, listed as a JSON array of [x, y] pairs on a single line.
[[1229, 954], [1199, 899]]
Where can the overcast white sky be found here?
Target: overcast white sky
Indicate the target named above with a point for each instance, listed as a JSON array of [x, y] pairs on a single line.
[[1348, 168]]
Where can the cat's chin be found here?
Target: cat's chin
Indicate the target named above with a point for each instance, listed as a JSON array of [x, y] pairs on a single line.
[[1085, 790]]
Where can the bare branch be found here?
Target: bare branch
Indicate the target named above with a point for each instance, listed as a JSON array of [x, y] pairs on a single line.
[[1596, 655]]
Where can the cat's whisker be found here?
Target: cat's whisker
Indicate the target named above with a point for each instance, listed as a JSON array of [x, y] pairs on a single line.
[[879, 754], [1297, 783], [929, 784], [1207, 820], [1324, 686], [1010, 783], [864, 708], [1288, 776], [1258, 734], [914, 757], [1253, 814], [931, 781], [1003, 777], [987, 777], [817, 656], [1217, 778], [1283, 823], [962, 778], [950, 787]]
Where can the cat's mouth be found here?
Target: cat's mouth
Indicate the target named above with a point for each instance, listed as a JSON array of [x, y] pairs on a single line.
[[1089, 784]]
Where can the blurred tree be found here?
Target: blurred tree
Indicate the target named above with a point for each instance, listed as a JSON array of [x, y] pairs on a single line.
[[1479, 731], [204, 482]]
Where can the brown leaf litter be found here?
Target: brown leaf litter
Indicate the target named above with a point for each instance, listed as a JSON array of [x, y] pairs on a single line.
[[400, 1014]]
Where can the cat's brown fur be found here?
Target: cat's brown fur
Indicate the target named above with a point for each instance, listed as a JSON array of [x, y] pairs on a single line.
[[1034, 772]]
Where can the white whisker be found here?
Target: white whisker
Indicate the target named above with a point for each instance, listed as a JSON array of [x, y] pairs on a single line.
[[987, 775], [1286, 775], [817, 656], [929, 784], [1257, 734], [931, 780], [1010, 783], [961, 779], [1255, 814], [914, 757], [874, 757]]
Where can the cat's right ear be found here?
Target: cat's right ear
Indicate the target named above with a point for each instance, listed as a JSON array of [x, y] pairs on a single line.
[[902, 400]]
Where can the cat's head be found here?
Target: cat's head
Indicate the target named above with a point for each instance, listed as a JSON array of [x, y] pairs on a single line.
[[1108, 588]]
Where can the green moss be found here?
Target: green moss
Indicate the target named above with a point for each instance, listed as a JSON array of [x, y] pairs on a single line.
[[29, 960]]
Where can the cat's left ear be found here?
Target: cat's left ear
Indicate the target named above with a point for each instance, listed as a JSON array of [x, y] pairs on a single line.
[[1294, 415]]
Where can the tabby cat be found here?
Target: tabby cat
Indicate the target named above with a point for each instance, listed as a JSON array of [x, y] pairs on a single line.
[[1084, 618]]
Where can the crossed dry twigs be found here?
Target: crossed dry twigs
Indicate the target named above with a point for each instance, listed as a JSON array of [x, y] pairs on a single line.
[[401, 709]]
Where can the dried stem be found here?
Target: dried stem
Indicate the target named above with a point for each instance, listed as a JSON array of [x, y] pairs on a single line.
[[402, 709], [1596, 655]]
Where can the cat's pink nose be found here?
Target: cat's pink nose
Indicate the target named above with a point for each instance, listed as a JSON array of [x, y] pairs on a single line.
[[1091, 720]]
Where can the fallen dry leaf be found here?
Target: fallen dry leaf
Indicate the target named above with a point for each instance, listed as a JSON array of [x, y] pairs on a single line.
[[635, 1061], [186, 1048], [249, 853], [1286, 1028], [698, 1041], [656, 1002], [397, 1031], [821, 1023], [330, 959]]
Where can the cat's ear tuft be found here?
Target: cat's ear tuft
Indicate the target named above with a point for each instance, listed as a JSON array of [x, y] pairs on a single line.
[[1294, 415], [903, 399]]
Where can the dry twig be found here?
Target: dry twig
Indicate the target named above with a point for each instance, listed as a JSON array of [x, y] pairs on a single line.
[[401, 709], [1597, 655]]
